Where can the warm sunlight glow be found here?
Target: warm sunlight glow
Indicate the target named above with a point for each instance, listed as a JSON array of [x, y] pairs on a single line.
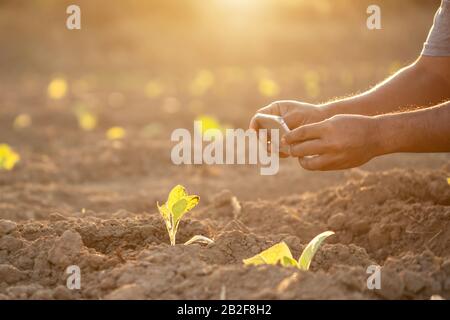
[[57, 88], [115, 133]]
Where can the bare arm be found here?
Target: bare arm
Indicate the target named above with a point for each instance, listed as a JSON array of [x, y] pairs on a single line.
[[424, 83], [346, 141], [426, 130]]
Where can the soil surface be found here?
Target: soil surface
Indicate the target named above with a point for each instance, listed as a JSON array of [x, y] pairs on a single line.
[[93, 205], [77, 198]]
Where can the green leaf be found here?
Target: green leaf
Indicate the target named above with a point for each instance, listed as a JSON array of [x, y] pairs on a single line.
[[255, 261], [178, 209], [8, 158], [183, 206], [192, 202], [308, 253], [177, 204], [175, 195], [164, 211], [273, 255], [289, 262]]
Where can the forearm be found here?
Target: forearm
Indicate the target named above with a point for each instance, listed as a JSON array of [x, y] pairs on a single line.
[[422, 84], [426, 130]]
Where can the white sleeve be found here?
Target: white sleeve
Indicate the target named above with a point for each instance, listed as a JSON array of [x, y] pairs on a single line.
[[438, 40]]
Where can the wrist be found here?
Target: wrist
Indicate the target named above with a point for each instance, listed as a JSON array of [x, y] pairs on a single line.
[[355, 105], [330, 109], [326, 110], [383, 138]]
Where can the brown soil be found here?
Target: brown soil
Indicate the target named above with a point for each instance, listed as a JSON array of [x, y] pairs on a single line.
[[398, 219], [78, 198]]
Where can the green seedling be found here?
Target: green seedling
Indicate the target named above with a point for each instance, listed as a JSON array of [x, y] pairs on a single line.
[[177, 205], [8, 158], [281, 254]]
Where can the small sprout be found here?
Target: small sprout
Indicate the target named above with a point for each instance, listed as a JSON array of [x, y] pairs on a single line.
[[281, 254], [268, 88], [223, 293], [273, 255], [208, 122], [115, 133], [57, 88], [210, 126], [22, 121], [8, 158], [237, 208], [86, 120], [308, 253], [199, 238], [178, 203]]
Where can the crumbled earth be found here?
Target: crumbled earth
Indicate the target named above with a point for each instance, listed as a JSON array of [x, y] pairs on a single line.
[[79, 199], [398, 219]]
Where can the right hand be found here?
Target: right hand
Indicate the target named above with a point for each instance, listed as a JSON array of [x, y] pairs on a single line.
[[294, 113]]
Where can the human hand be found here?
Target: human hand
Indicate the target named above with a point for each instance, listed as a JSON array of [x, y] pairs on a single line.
[[294, 114], [340, 142]]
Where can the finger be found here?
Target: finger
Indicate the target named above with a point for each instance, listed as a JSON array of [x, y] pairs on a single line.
[[303, 133], [320, 162], [308, 148], [280, 153], [279, 108], [293, 119], [254, 124], [273, 109]]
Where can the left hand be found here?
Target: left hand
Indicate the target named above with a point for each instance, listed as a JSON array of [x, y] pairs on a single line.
[[340, 142]]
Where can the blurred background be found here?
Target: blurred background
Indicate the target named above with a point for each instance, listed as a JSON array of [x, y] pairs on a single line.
[[90, 111], [209, 56]]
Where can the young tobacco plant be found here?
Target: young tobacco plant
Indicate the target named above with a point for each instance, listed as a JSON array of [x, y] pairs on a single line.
[[280, 253], [8, 158], [177, 205]]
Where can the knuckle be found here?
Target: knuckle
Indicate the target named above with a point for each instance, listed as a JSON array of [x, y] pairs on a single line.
[[270, 105], [296, 150], [334, 144], [275, 104], [299, 133], [290, 137]]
